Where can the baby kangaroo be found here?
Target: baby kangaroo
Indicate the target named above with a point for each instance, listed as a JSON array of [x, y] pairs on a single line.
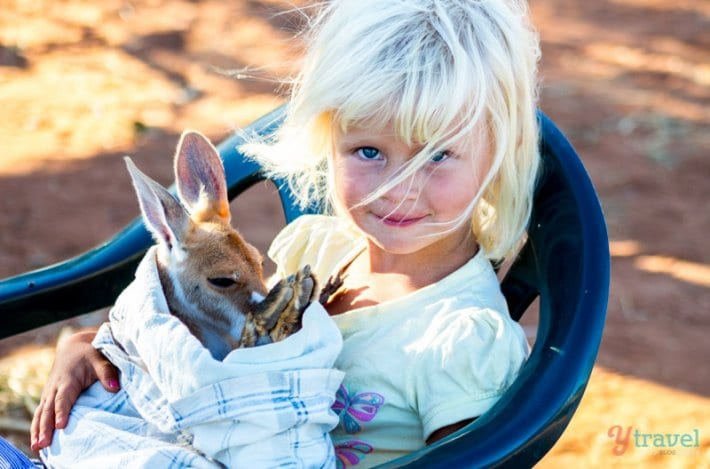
[[212, 278]]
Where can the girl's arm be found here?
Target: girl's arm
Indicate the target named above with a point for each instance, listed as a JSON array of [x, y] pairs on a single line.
[[77, 365]]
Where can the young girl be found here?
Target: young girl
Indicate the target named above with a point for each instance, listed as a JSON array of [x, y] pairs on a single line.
[[415, 122]]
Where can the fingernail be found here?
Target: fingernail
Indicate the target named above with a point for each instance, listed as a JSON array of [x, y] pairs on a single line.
[[113, 384]]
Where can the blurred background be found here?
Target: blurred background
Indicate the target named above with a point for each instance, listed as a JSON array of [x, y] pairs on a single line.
[[83, 83]]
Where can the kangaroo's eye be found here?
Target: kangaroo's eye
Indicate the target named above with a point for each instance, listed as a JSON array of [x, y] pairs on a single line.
[[222, 282]]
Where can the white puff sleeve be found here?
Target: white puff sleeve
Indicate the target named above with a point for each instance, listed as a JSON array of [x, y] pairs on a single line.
[[289, 246], [317, 240], [465, 362]]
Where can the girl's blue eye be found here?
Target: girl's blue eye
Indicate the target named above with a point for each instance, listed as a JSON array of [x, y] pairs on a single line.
[[439, 157], [369, 153]]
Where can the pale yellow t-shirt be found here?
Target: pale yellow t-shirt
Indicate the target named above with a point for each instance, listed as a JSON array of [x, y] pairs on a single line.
[[431, 358]]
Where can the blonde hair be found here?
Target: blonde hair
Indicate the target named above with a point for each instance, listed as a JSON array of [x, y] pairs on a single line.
[[439, 71]]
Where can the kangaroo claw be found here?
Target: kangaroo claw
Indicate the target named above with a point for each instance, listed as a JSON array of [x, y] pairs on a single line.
[[331, 287]]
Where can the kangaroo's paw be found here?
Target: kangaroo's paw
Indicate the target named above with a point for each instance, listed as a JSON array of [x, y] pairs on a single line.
[[267, 312], [331, 287], [304, 286], [304, 289]]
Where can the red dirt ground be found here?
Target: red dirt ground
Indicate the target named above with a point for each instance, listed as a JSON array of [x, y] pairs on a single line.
[[83, 83]]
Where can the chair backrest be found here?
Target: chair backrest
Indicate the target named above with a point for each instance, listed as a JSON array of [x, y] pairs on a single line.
[[565, 261]]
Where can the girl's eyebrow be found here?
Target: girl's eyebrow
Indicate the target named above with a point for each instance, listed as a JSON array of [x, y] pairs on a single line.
[[349, 139], [361, 138]]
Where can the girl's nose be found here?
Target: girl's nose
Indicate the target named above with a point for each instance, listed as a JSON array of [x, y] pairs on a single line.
[[409, 188]]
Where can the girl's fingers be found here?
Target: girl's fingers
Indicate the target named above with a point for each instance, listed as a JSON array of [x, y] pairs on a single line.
[[106, 373], [64, 399], [46, 422], [73, 370], [34, 429]]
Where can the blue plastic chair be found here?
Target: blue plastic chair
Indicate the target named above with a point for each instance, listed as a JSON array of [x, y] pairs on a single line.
[[565, 262]]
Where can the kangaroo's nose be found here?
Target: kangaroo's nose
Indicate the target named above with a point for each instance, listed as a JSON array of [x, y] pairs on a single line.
[[257, 297]]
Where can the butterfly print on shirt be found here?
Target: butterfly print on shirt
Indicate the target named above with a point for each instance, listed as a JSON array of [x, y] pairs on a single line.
[[356, 410]]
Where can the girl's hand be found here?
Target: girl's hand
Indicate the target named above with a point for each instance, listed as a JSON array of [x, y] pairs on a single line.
[[77, 365]]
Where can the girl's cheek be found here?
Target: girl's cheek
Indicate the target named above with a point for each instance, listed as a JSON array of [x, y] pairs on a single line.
[[351, 184], [454, 184]]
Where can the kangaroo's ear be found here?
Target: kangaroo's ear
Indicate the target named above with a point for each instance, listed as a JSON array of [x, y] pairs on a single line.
[[163, 215], [200, 178]]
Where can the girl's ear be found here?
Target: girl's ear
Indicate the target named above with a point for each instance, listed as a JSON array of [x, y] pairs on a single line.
[[163, 215], [200, 178]]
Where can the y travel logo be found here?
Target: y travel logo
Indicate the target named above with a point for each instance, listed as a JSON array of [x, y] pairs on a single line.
[[662, 443]]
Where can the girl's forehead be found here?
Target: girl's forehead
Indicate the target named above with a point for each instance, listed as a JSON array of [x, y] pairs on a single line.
[[372, 134], [363, 129], [387, 126], [452, 137]]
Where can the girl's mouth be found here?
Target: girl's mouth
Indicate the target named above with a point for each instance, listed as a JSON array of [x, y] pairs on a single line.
[[401, 220]]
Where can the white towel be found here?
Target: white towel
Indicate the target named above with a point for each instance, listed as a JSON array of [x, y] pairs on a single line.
[[267, 406]]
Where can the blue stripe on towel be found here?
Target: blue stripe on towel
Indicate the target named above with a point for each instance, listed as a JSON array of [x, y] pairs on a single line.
[[11, 457]]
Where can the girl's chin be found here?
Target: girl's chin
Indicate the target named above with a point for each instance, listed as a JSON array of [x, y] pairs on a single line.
[[395, 245]]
